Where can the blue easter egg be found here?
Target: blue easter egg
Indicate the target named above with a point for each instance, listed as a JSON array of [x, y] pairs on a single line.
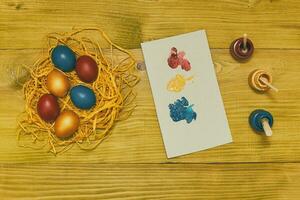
[[63, 58], [83, 97]]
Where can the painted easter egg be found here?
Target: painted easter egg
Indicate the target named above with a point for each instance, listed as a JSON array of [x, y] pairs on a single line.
[[57, 83], [63, 58], [83, 97], [48, 107], [86, 69], [66, 124]]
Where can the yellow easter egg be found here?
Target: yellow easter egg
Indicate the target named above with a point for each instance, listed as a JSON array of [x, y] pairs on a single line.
[[57, 83], [66, 124]]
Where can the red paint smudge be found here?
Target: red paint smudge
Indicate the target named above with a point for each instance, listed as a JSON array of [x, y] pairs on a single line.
[[175, 59]]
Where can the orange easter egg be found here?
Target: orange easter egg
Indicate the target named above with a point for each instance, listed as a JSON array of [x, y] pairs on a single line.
[[57, 83], [66, 124]]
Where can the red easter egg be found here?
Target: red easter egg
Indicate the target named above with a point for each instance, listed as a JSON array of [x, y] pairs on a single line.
[[48, 108], [86, 69]]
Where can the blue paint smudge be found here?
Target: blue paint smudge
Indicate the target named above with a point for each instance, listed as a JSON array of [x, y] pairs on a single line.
[[181, 110]]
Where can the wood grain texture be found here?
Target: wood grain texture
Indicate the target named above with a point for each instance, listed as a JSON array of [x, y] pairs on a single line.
[[138, 140], [270, 24], [131, 164], [151, 181]]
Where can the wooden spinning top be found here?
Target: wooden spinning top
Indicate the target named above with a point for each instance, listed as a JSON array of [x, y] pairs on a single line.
[[261, 121], [261, 81], [242, 48]]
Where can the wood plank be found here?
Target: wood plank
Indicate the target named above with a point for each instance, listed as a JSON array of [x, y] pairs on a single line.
[[151, 181], [138, 139], [270, 24]]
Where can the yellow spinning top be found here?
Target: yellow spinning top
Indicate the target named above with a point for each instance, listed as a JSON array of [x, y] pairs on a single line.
[[261, 81]]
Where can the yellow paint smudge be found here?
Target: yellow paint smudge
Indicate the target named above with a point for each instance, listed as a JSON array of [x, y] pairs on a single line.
[[177, 84]]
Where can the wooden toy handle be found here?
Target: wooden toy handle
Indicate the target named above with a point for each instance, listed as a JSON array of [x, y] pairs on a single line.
[[265, 81], [245, 42], [266, 127]]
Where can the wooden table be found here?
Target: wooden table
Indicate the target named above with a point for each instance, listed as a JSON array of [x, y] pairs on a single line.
[[131, 164]]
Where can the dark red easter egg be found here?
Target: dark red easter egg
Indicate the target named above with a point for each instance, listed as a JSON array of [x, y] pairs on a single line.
[[86, 69], [48, 108]]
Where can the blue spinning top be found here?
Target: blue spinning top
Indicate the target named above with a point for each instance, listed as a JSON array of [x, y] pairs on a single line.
[[261, 121]]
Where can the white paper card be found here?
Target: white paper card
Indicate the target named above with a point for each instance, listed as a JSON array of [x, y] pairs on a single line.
[[181, 66]]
